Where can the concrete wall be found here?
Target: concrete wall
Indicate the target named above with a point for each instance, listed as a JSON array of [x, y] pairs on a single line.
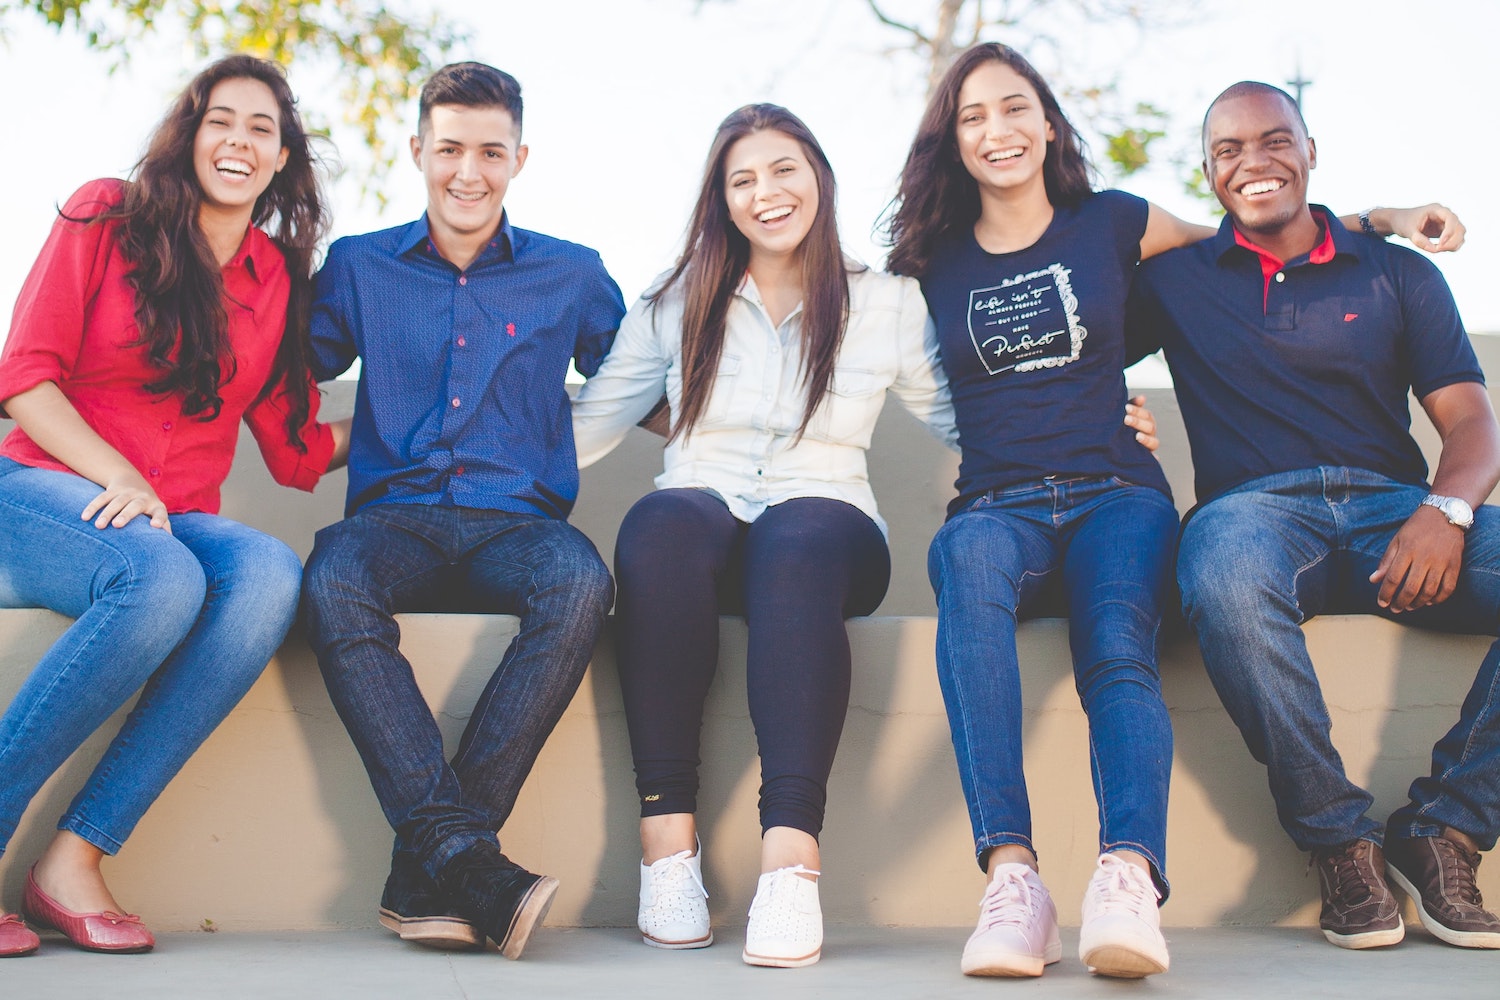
[[273, 825]]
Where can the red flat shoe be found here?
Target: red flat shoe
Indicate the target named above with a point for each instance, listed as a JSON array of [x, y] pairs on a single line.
[[107, 931], [15, 937]]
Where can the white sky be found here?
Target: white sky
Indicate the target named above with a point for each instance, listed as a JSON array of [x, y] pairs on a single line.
[[622, 97]]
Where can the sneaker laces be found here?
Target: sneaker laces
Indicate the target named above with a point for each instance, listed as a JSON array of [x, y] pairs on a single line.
[[1459, 871], [667, 875], [1010, 900], [782, 883], [1119, 885], [1349, 884]]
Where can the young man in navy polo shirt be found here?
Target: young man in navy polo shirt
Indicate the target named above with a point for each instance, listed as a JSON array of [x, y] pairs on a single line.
[[1292, 346], [461, 474]]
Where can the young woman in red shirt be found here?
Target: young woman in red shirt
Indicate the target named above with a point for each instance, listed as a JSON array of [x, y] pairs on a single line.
[[161, 311]]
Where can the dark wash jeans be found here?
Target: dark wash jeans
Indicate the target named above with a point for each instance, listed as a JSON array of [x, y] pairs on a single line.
[[1109, 545], [389, 558], [1257, 562]]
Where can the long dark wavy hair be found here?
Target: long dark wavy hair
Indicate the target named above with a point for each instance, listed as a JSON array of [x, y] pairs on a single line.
[[716, 254], [937, 196], [179, 288]]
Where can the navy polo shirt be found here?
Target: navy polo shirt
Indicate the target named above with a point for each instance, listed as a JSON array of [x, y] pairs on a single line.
[[1033, 345], [1303, 365], [461, 398]]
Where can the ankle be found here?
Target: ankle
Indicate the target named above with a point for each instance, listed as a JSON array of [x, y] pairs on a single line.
[[788, 847], [1009, 854], [664, 836]]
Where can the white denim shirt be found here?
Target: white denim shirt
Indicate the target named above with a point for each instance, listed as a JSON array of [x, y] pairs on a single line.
[[744, 446]]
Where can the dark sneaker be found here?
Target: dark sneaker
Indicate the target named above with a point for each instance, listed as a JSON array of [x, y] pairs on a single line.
[[1359, 910], [414, 907], [1438, 875], [504, 900]]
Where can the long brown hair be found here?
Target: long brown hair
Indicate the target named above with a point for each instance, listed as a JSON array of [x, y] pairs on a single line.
[[716, 255], [179, 287], [937, 197]]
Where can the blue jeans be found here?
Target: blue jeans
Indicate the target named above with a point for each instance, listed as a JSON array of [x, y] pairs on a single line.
[[1108, 545], [1262, 559], [194, 616], [389, 558]]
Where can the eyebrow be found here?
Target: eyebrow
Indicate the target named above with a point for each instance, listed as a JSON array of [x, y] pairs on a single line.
[[1007, 97], [225, 107], [439, 140], [1278, 130], [779, 160]]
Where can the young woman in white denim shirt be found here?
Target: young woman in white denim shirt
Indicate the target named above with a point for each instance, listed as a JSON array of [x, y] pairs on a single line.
[[774, 353]]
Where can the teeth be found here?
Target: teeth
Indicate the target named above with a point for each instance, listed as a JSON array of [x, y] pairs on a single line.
[[771, 215], [1004, 154], [467, 195], [233, 167], [1260, 187]]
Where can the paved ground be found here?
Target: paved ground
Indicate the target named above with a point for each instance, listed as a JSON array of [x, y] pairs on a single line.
[[1278, 963]]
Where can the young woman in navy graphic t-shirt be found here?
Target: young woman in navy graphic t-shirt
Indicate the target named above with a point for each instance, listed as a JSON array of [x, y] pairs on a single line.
[[1025, 269]]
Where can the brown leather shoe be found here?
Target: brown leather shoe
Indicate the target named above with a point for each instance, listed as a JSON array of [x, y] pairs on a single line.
[[1359, 910], [15, 937], [1438, 875]]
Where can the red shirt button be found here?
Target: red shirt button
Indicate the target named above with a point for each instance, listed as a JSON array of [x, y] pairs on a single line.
[[463, 280], [167, 425], [156, 472], [457, 402], [458, 471], [462, 341]]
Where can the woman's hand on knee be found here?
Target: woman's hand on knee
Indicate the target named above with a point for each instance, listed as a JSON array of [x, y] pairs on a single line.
[[125, 498]]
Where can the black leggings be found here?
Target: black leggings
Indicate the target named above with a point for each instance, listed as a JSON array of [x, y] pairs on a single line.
[[795, 573]]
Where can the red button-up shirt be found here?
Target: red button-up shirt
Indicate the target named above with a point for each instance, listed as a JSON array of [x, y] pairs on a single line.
[[75, 325]]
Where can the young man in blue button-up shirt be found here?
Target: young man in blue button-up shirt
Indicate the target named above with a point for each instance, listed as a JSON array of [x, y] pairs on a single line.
[[1293, 345], [461, 474]]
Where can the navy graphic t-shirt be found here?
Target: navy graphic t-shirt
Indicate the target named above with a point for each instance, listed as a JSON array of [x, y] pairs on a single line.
[[1034, 347]]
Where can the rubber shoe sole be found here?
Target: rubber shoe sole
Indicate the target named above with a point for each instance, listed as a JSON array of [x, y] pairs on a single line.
[[1368, 939], [1120, 962], [702, 942], [1459, 939], [529, 916], [778, 962], [445, 933], [1008, 964]]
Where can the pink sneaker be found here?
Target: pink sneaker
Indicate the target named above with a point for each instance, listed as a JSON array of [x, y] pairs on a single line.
[[1121, 933], [1017, 932]]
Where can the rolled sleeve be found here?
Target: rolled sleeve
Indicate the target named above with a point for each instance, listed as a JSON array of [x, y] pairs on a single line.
[[289, 466]]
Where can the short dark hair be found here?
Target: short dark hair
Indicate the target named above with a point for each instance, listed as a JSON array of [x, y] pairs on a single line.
[[1250, 88], [469, 85]]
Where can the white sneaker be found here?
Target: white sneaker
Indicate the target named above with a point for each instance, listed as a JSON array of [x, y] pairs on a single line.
[[786, 920], [1017, 932], [674, 904], [1121, 934]]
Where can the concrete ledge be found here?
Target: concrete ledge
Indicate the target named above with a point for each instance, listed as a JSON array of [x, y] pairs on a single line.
[[272, 825]]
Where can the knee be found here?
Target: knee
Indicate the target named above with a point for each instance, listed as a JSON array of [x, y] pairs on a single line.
[[667, 525], [970, 553], [161, 575], [573, 568], [263, 575]]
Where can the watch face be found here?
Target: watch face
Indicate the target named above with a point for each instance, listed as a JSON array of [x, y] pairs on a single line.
[[1458, 511]]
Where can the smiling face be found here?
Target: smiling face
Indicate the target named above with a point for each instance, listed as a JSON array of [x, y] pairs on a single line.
[[467, 156], [237, 149], [771, 191], [1002, 131], [1257, 156]]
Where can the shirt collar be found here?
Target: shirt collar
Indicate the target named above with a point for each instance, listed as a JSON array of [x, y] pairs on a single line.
[[1336, 240], [252, 254], [418, 238]]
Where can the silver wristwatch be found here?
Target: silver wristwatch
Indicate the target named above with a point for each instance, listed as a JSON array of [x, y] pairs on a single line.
[[1455, 509]]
